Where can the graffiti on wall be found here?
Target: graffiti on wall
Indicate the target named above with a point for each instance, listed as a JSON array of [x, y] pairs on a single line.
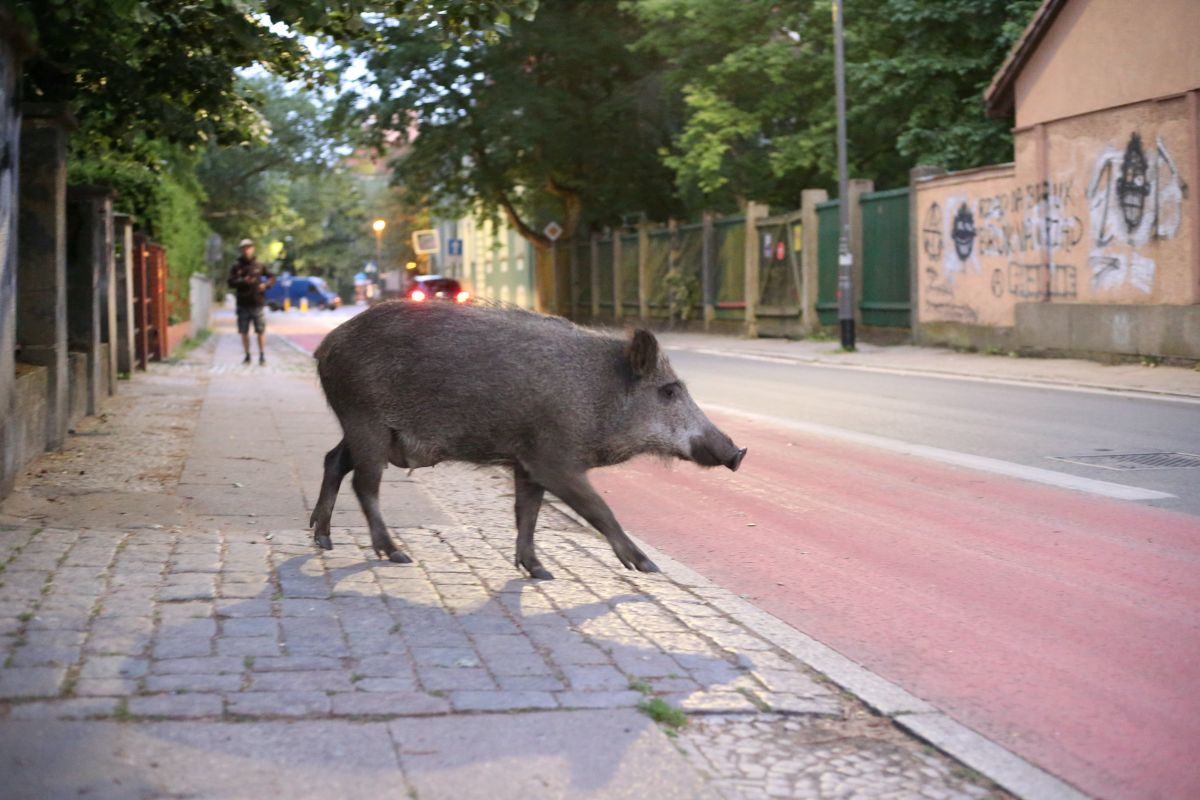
[[1135, 197]]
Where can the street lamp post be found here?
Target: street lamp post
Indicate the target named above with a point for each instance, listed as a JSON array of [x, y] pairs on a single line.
[[845, 290], [378, 226]]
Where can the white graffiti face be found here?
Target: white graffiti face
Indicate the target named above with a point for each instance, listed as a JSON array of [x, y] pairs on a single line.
[[1134, 198]]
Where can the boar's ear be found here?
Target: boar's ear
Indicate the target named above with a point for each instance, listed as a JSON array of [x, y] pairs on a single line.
[[643, 353]]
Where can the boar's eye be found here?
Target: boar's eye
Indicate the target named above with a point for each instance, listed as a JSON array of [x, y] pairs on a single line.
[[670, 391]]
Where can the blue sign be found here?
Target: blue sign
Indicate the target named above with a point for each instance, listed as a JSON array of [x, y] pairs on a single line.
[[454, 247]]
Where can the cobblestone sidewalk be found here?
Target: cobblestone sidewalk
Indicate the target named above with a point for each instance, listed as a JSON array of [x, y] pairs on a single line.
[[158, 569]]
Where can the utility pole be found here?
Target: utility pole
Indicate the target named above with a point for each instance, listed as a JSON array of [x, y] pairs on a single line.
[[845, 290]]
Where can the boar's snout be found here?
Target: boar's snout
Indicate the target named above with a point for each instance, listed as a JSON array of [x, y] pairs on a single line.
[[715, 449]]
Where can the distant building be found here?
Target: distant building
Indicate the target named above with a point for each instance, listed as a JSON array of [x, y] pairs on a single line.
[[495, 263]]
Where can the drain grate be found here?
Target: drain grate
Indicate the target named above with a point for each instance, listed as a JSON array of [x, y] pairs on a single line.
[[1127, 461]]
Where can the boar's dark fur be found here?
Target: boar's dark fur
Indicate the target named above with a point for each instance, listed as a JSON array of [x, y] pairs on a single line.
[[414, 384]]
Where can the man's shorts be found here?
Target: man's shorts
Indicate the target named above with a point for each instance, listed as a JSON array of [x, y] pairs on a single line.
[[246, 315]]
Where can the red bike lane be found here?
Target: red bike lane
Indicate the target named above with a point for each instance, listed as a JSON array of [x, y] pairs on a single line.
[[1060, 625]]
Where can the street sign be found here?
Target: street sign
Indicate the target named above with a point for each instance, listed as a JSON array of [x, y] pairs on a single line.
[[426, 242], [553, 231], [454, 247]]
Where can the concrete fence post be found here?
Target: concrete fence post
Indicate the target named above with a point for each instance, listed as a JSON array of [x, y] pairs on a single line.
[[89, 252], [915, 176], [618, 297], [809, 259], [751, 256], [126, 352], [200, 297], [644, 270], [42, 256]]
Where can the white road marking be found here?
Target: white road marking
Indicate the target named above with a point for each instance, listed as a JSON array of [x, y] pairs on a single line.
[[995, 466], [1026, 383]]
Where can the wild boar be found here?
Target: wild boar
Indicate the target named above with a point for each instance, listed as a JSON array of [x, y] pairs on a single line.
[[414, 384]]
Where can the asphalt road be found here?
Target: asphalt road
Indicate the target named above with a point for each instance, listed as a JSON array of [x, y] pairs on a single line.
[[1025, 425], [916, 525]]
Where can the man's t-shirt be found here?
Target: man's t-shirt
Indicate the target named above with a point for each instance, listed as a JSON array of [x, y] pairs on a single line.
[[246, 279]]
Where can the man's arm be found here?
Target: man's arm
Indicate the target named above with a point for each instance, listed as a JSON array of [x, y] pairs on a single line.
[[270, 276], [234, 278]]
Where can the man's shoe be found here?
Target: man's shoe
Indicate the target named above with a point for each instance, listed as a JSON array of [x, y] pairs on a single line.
[[246, 360], [262, 359]]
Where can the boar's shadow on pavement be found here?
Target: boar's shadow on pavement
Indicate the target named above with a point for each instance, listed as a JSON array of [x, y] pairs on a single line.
[[349, 640]]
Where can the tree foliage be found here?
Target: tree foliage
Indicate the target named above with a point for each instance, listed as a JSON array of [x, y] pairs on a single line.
[[756, 77], [558, 118]]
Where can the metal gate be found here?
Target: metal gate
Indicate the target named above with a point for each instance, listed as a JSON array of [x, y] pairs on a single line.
[[149, 300], [885, 272]]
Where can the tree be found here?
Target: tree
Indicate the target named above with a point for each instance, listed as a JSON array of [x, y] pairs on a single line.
[[557, 119], [757, 81]]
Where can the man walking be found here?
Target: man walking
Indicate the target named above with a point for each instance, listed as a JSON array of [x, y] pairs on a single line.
[[250, 280]]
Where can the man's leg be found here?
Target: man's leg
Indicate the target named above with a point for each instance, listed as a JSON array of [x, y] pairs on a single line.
[[243, 323], [260, 327]]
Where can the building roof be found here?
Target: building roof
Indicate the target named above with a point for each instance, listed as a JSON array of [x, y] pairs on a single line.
[[998, 97]]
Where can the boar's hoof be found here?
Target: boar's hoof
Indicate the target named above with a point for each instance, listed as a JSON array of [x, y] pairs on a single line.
[[399, 557], [534, 568], [644, 564], [324, 542]]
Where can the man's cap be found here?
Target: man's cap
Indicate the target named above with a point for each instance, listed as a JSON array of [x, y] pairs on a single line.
[[245, 243]]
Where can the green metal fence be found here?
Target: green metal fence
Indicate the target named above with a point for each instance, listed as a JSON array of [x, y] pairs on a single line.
[[827, 262], [885, 273]]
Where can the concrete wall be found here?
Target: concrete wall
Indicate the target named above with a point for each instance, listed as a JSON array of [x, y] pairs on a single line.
[[10, 140], [1096, 212], [77, 388], [1101, 54], [27, 424]]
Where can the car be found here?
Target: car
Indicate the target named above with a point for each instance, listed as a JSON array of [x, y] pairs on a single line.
[[294, 289], [436, 287]]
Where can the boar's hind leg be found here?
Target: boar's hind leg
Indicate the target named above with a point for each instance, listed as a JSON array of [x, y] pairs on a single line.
[[337, 465], [370, 455], [529, 501], [575, 491]]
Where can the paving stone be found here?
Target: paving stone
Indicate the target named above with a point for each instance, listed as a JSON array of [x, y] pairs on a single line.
[[176, 705], [113, 667], [451, 678], [69, 708], [278, 704], [500, 701], [31, 681], [190, 682], [400, 703], [207, 665], [182, 648], [537, 683], [399, 683], [250, 626], [324, 680], [577, 699], [249, 646], [281, 663], [595, 678], [105, 687]]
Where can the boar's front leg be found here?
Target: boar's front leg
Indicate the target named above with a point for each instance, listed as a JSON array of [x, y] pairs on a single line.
[[528, 494], [577, 492], [370, 454], [337, 465]]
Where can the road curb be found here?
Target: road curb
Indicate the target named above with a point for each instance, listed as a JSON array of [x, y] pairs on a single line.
[[920, 718]]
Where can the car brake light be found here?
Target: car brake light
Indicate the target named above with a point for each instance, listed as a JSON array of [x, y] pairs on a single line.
[[462, 297], [417, 296]]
